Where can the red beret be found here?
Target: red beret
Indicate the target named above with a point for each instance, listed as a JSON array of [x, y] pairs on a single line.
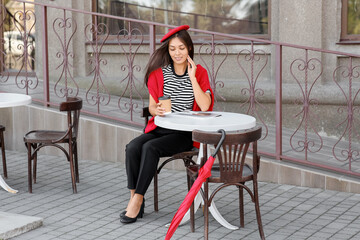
[[173, 31]]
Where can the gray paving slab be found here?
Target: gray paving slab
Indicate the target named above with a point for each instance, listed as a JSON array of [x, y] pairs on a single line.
[[12, 225], [288, 212]]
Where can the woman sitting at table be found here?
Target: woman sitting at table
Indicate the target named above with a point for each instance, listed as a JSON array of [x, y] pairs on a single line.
[[171, 71]]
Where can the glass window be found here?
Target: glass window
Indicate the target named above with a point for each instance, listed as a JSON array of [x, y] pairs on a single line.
[[350, 20], [226, 16]]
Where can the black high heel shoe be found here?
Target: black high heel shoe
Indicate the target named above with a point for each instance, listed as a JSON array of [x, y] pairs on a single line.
[[123, 213], [126, 219]]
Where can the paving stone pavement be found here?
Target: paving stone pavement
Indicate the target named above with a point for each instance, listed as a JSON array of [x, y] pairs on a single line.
[[288, 212]]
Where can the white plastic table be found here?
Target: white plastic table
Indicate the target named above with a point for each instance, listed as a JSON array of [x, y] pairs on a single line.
[[12, 100], [206, 121]]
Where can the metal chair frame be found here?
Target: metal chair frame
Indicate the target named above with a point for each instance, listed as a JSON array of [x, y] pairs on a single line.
[[186, 157], [37, 139], [2, 145], [231, 170]]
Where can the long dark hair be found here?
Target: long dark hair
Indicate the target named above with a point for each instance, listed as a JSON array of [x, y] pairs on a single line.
[[161, 56]]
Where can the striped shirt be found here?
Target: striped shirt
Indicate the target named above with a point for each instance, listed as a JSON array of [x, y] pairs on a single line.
[[179, 88]]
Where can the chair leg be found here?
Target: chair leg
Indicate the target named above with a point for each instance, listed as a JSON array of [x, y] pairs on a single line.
[[34, 164], [187, 162], [241, 206], [156, 200], [257, 209], [73, 180], [192, 217], [192, 207], [3, 153], [72, 169], [29, 168], [76, 163], [206, 211]]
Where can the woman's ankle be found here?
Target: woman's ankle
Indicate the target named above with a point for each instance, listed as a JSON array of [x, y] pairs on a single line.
[[132, 193], [134, 206]]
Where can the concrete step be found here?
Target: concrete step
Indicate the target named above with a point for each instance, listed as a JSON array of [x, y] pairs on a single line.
[[12, 225]]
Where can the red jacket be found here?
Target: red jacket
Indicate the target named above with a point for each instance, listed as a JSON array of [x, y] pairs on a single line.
[[156, 85]]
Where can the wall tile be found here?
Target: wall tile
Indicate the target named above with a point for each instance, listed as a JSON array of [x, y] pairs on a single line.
[[107, 143], [55, 120], [355, 187], [335, 184], [269, 172], [20, 126], [37, 118], [310, 179], [88, 140], [289, 175]]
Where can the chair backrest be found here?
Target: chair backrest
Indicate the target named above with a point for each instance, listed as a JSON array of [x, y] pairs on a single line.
[[146, 114], [232, 154], [73, 106]]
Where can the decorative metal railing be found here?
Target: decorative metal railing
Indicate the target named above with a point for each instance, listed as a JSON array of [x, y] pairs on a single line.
[[305, 98]]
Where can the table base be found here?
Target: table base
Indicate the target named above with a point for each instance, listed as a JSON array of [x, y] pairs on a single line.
[[4, 185], [212, 209]]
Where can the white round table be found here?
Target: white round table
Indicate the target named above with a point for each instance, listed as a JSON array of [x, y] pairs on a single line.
[[12, 100], [206, 121]]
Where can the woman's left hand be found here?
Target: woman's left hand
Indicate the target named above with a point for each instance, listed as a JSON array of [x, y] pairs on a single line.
[[202, 99], [191, 68]]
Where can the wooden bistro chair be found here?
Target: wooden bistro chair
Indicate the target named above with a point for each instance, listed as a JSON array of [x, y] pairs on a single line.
[[2, 145], [35, 140], [231, 169], [186, 157]]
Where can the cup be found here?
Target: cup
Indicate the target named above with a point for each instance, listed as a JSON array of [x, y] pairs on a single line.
[[165, 103]]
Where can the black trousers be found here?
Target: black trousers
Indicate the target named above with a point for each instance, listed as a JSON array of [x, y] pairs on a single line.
[[144, 151]]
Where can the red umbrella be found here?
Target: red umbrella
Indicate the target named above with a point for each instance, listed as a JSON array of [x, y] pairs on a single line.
[[204, 173]]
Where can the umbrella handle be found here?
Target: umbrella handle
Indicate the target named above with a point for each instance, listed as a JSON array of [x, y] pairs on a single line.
[[222, 131]]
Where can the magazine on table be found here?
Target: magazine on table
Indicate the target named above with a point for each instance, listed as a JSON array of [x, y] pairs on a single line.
[[198, 114]]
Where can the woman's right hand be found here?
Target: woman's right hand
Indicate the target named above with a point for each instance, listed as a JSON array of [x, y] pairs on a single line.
[[159, 111], [155, 108]]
